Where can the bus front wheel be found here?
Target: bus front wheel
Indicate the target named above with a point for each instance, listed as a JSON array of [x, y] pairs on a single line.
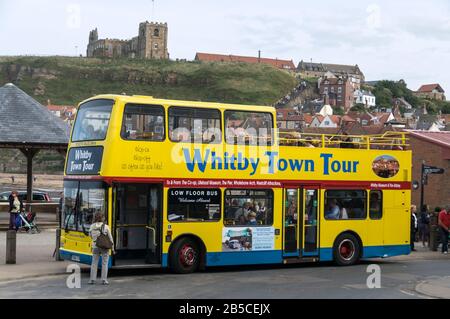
[[185, 256], [346, 250]]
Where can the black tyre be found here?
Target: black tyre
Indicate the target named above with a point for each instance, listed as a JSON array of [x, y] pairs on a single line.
[[184, 256], [346, 250]]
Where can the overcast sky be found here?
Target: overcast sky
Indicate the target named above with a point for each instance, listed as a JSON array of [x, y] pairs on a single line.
[[387, 39]]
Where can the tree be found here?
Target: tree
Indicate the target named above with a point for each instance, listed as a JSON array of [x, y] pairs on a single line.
[[444, 106], [383, 95], [359, 107], [431, 106], [338, 111], [386, 90]]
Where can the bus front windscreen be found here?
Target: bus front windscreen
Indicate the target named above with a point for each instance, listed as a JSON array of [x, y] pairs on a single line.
[[82, 200], [92, 121]]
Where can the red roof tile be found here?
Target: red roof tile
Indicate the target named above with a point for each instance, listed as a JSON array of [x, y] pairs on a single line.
[[427, 88], [336, 119], [322, 130], [289, 115], [281, 64], [307, 118], [347, 118], [439, 138]]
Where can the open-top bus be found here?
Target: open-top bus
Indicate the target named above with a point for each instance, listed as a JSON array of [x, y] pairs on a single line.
[[192, 184]]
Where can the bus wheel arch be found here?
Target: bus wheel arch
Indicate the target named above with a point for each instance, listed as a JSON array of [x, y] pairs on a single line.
[[347, 248], [191, 245]]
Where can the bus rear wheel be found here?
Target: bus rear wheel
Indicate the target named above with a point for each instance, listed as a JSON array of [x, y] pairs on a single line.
[[185, 256], [346, 250]]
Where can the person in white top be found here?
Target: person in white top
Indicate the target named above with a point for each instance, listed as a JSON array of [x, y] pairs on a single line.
[[15, 207], [94, 231]]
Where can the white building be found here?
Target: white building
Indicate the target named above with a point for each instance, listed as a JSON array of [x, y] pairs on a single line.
[[365, 97], [328, 121]]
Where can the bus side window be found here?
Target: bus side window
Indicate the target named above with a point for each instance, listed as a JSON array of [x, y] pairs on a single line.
[[376, 205], [345, 204], [194, 205], [143, 123], [194, 125], [248, 128], [248, 207]]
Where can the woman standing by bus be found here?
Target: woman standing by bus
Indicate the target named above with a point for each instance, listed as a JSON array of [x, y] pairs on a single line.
[[97, 229]]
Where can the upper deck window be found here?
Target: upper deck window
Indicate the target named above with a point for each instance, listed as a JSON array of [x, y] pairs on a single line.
[[143, 123], [251, 128], [92, 121], [194, 125]]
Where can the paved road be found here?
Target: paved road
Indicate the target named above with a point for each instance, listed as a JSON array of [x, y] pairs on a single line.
[[400, 278]]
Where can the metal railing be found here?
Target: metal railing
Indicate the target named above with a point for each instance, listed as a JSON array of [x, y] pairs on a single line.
[[36, 207], [387, 141]]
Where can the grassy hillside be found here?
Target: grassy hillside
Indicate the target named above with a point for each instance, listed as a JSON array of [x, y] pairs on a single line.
[[66, 80]]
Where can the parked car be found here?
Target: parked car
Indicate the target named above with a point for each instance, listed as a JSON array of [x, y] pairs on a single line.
[[37, 196]]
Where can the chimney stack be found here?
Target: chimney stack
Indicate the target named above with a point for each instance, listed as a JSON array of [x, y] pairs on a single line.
[[259, 56]]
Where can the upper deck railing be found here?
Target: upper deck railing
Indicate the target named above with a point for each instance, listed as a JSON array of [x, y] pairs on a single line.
[[398, 141]]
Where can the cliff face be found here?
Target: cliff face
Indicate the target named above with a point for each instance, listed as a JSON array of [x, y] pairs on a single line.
[[66, 80]]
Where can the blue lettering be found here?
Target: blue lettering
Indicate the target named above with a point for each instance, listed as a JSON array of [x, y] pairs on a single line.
[[242, 162], [326, 161], [336, 166], [190, 163], [214, 160], [347, 166], [296, 165], [309, 166], [282, 165], [255, 165], [271, 156], [232, 162]]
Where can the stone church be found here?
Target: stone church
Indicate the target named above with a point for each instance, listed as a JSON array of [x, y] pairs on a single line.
[[151, 43]]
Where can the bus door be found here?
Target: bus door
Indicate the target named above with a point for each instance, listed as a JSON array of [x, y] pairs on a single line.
[[309, 222], [301, 229], [291, 222], [137, 224]]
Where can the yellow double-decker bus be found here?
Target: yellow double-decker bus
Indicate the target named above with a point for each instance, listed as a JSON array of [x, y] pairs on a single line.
[[189, 185]]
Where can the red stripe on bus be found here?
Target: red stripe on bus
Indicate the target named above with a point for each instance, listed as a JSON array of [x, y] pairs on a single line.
[[236, 183]]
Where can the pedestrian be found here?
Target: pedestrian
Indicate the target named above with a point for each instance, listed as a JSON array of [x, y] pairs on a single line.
[[444, 227], [97, 229], [15, 207], [424, 225], [414, 226]]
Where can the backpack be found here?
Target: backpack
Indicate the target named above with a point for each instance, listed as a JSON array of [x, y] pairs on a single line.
[[103, 240], [424, 218]]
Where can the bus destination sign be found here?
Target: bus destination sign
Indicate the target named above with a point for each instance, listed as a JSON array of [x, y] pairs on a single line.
[[84, 160]]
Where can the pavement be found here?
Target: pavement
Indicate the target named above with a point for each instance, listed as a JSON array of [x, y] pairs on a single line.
[[423, 274], [34, 256]]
